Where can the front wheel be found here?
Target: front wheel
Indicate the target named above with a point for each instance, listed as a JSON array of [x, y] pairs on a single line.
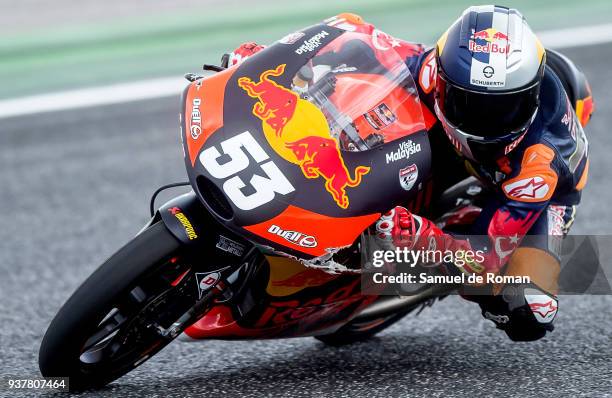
[[122, 315]]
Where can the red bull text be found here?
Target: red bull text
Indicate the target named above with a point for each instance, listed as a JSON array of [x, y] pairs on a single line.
[[491, 37]]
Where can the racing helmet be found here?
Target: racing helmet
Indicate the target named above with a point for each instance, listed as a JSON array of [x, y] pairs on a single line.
[[489, 68]]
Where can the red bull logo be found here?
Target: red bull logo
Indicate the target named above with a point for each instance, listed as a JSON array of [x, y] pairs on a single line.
[[276, 103], [320, 157], [299, 132], [491, 37]]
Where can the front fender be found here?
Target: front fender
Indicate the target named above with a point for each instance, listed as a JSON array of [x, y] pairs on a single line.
[[185, 217], [189, 221]]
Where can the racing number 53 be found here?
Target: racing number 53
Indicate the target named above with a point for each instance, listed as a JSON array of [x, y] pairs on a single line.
[[264, 187]]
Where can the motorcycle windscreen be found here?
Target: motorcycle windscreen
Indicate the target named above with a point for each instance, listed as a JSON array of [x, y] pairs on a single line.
[[367, 95]]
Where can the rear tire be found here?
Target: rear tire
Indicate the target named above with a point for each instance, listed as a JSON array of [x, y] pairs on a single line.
[[88, 314]]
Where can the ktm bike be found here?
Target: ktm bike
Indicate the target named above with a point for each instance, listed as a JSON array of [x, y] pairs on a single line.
[[291, 159]]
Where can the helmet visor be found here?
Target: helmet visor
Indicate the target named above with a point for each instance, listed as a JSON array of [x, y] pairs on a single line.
[[487, 115]]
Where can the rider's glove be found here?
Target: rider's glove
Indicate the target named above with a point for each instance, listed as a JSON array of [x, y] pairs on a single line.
[[405, 229], [401, 228], [240, 54]]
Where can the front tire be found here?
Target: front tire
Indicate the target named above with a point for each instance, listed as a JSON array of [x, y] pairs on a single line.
[[111, 323]]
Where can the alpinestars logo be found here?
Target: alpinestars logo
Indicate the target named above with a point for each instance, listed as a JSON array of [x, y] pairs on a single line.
[[297, 238], [528, 188], [543, 307], [311, 44]]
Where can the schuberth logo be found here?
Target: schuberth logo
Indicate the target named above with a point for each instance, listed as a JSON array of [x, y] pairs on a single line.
[[297, 238], [311, 44]]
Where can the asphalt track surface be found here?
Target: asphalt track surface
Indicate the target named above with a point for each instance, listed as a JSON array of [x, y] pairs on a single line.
[[74, 187]]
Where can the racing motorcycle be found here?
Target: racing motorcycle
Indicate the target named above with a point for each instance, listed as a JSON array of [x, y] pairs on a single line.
[[290, 160]]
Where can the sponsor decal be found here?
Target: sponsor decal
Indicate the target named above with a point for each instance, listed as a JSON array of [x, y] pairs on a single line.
[[404, 151], [295, 237], [309, 311], [543, 307], [276, 104], [312, 44], [489, 48], [488, 41], [497, 318], [321, 157], [527, 188], [488, 71], [230, 246], [180, 216], [206, 280], [344, 69], [195, 127], [380, 117], [484, 83], [473, 190], [408, 176], [427, 75], [511, 146], [291, 38], [298, 132]]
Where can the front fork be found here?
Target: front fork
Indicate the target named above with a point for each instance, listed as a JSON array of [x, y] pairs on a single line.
[[212, 249]]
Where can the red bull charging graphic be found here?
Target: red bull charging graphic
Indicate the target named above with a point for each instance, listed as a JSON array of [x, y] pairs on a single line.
[[276, 103], [320, 157], [298, 131]]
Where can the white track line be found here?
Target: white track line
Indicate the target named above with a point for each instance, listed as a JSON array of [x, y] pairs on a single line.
[[171, 86], [90, 97]]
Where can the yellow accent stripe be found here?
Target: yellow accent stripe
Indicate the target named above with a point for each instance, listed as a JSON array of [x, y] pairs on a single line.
[[441, 43], [579, 109], [541, 50], [583, 179]]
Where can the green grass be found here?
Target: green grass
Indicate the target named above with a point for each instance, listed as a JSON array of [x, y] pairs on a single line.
[[139, 48]]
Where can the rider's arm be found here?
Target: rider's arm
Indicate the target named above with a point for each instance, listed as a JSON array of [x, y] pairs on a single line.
[[506, 221]]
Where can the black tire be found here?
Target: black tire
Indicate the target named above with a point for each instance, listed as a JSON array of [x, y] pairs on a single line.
[[79, 320]]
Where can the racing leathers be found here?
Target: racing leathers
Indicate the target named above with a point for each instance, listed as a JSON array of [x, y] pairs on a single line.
[[535, 186]]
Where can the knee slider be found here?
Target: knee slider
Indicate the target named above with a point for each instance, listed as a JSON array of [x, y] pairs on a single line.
[[525, 312]]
